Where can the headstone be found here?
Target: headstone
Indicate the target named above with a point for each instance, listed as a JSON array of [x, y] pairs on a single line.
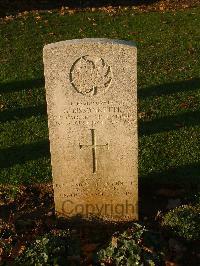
[[92, 115]]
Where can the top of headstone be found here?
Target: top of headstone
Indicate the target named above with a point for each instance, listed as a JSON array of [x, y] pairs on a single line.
[[90, 40]]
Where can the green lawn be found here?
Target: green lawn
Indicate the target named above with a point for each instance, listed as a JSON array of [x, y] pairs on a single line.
[[168, 90]]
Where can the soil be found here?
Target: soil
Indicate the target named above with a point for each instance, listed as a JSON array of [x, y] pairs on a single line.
[[28, 212]]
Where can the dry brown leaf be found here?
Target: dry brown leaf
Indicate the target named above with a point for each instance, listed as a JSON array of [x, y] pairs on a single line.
[[148, 249], [16, 251], [8, 18], [88, 248], [25, 13], [184, 105], [178, 124], [71, 11], [1, 251], [170, 263], [38, 18], [62, 11], [161, 7], [141, 115], [114, 241]]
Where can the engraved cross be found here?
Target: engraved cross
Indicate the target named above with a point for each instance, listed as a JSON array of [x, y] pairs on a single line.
[[93, 146]]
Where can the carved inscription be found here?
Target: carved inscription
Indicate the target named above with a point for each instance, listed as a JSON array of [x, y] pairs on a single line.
[[87, 191], [92, 113], [90, 75]]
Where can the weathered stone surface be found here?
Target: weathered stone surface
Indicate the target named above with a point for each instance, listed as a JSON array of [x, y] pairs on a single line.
[[92, 114]]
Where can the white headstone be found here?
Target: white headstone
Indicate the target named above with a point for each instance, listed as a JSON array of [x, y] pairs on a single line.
[[92, 114]]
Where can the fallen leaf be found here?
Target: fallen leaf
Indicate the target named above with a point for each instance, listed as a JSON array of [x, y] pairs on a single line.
[[158, 215], [161, 7], [141, 114], [71, 12], [114, 241], [38, 18], [184, 105], [62, 11], [88, 248], [16, 251], [170, 263], [8, 18], [179, 125], [133, 32], [147, 249]]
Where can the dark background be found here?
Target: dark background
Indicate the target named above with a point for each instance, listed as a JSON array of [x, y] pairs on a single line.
[[8, 7]]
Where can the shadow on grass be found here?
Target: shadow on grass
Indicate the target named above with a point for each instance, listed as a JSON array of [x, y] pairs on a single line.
[[156, 189], [23, 153], [170, 88], [180, 175], [21, 85], [12, 7], [22, 113], [169, 123], [164, 89]]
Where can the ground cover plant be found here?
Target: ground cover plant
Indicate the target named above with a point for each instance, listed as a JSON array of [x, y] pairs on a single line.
[[169, 129], [51, 249], [184, 220], [30, 234]]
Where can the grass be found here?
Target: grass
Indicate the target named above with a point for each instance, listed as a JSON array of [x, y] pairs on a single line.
[[168, 90]]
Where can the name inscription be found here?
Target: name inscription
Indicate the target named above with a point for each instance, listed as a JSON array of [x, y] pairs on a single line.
[[95, 112]]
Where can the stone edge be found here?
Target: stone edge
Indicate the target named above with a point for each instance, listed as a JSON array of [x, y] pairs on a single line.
[[90, 40]]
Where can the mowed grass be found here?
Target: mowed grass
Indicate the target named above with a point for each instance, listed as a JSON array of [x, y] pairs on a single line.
[[168, 90]]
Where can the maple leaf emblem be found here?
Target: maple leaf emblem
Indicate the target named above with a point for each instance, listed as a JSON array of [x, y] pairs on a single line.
[[90, 75]]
